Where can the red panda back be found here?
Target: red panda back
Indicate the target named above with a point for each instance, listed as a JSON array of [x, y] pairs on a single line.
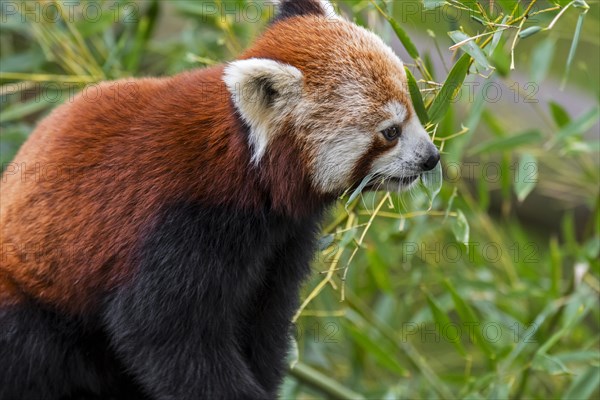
[[95, 172]]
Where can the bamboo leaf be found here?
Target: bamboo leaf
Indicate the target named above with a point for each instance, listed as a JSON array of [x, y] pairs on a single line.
[[574, 44], [460, 228], [417, 98], [584, 385], [527, 176], [580, 125], [542, 59], [143, 33], [556, 262], [549, 364], [507, 143], [468, 316], [411, 49], [294, 353], [21, 110], [433, 4], [325, 241], [532, 30], [380, 270], [453, 83], [431, 182], [382, 355], [443, 321], [499, 391], [358, 190], [471, 48], [559, 114], [496, 38]]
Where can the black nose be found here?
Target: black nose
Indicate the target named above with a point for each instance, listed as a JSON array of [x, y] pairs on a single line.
[[431, 161]]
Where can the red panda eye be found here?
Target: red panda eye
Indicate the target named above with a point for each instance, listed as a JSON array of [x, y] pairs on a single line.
[[392, 133]]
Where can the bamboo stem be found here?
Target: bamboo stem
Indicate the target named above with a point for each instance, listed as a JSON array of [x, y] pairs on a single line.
[[317, 380]]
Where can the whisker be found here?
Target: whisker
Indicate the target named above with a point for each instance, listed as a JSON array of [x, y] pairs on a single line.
[[381, 182]]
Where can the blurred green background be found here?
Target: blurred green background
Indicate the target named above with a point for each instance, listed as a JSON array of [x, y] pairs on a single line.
[[483, 285]]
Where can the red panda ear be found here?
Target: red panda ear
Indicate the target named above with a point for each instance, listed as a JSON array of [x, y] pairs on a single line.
[[294, 8], [263, 91]]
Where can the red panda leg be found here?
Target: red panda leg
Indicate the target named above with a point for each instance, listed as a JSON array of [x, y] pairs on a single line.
[[174, 325], [267, 340]]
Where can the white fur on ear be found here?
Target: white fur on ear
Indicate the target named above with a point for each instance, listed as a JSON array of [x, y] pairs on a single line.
[[263, 91], [328, 9]]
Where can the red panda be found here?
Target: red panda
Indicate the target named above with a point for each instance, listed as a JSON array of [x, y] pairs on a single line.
[[155, 235]]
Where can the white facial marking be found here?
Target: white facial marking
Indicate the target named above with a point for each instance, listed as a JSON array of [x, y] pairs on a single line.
[[397, 112], [335, 158]]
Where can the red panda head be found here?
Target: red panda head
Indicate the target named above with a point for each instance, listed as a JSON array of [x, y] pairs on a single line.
[[339, 91]]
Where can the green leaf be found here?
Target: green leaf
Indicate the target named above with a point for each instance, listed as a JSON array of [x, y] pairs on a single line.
[[584, 385], [383, 356], [527, 176], [507, 143], [549, 364], [559, 114], [12, 137], [532, 30], [460, 228], [496, 38], [358, 190], [27, 61], [575, 146], [433, 4], [579, 356], [499, 391], [591, 247], [501, 61], [86, 28], [417, 98], [471, 48], [411, 49], [580, 125], [580, 4], [325, 241], [431, 182], [21, 110], [467, 315], [483, 193], [453, 83], [143, 33], [578, 305], [542, 59], [440, 317], [494, 123], [529, 332], [574, 44], [380, 270], [428, 62], [294, 353]]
